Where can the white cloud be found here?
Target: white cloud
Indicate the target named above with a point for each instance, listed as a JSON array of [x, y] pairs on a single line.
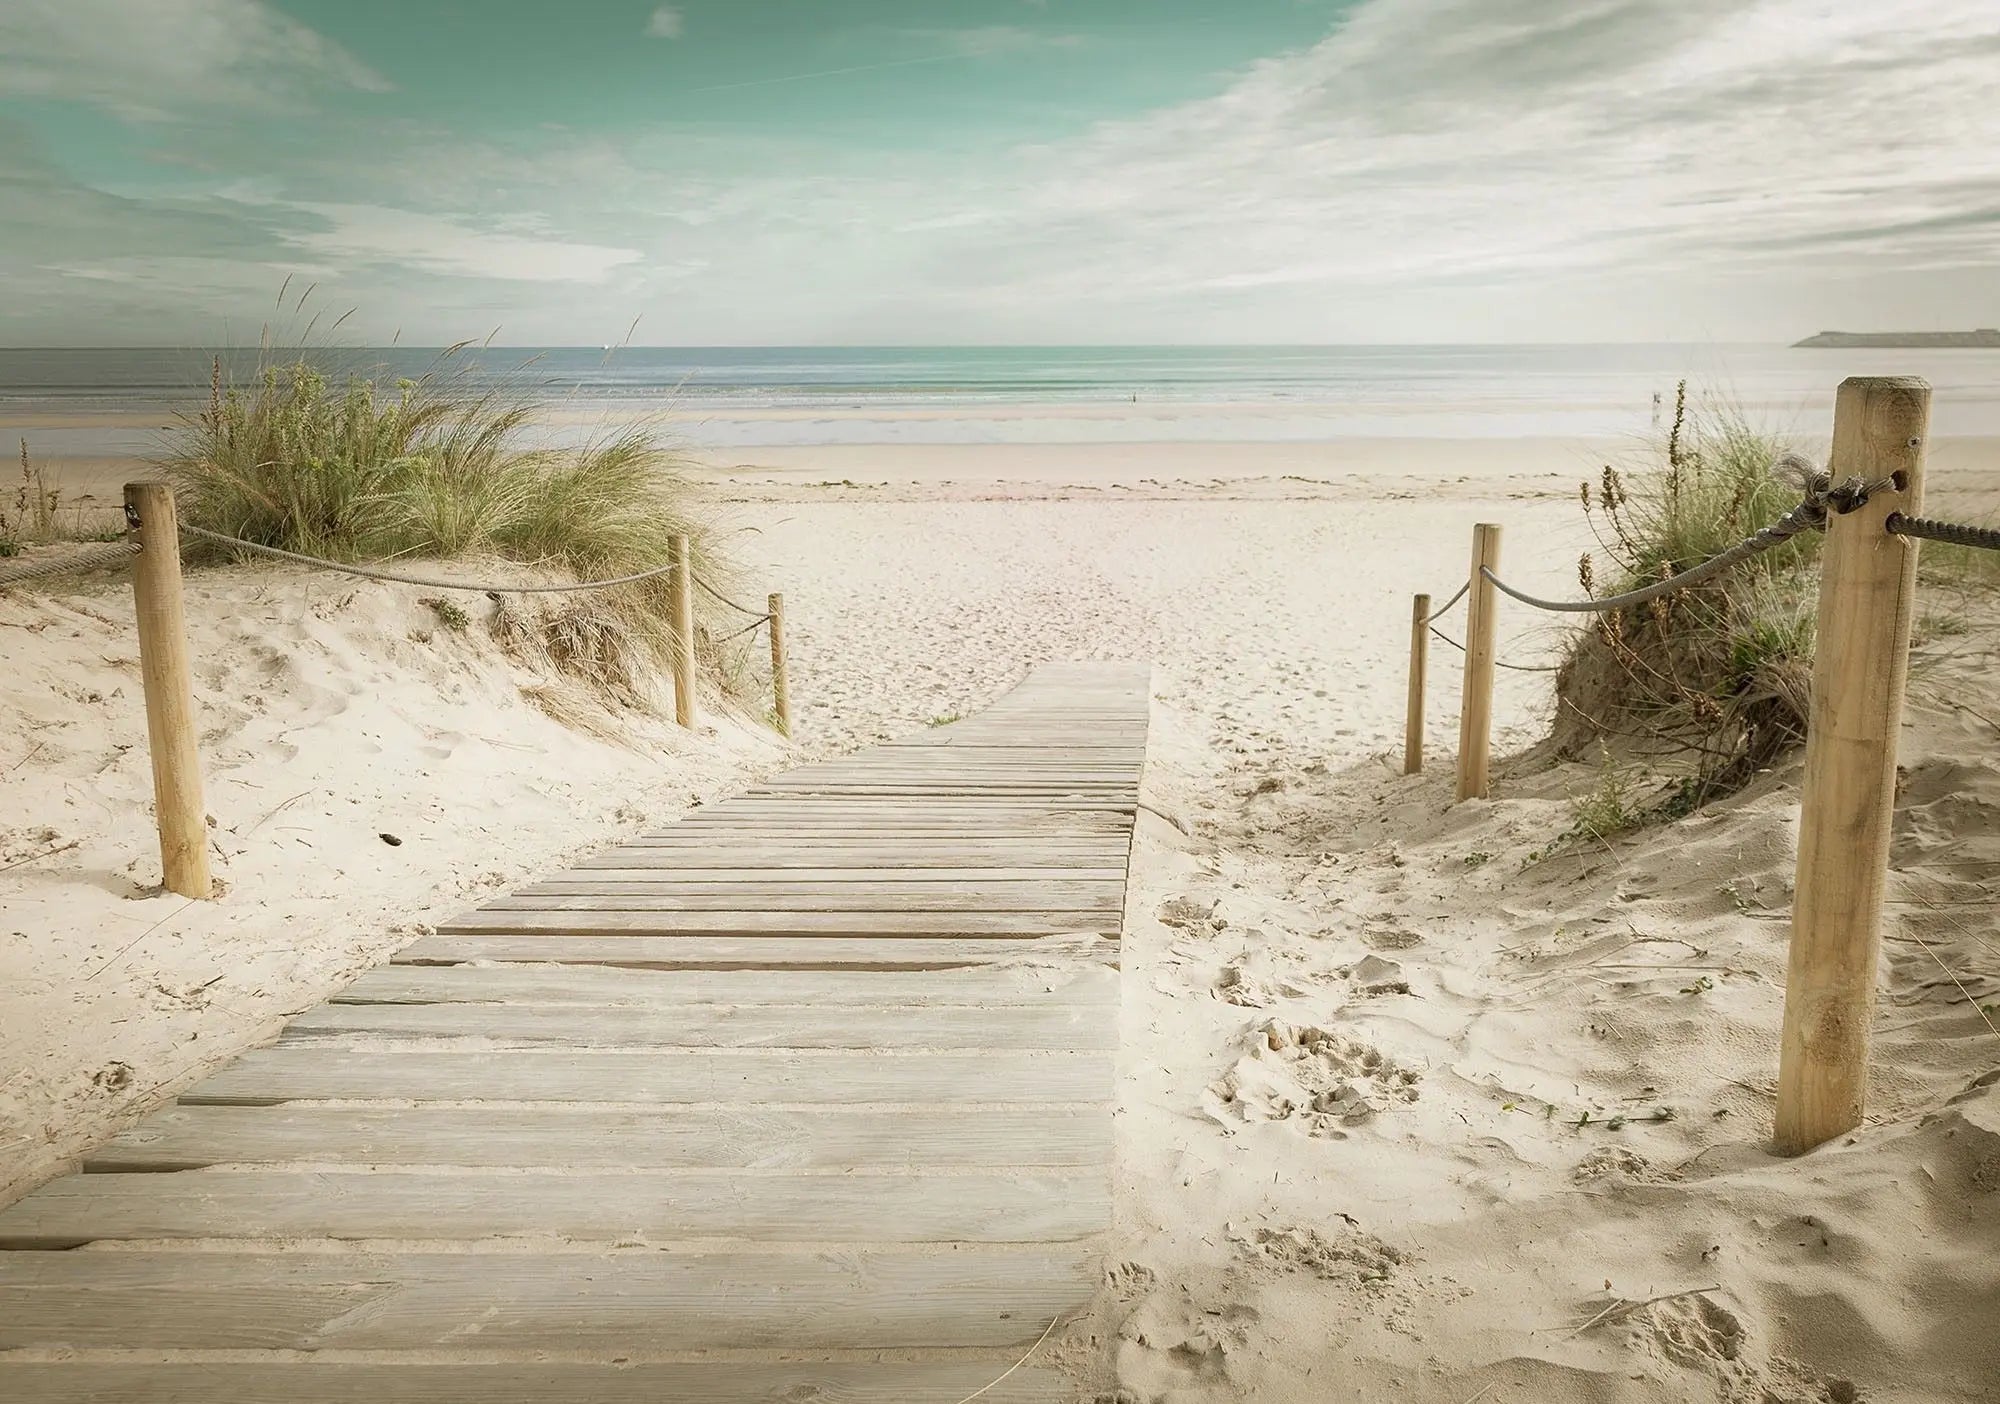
[[1431, 170], [433, 244], [144, 58], [1489, 144], [667, 23]]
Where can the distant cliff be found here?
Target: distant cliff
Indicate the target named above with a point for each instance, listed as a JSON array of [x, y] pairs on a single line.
[[1985, 337]]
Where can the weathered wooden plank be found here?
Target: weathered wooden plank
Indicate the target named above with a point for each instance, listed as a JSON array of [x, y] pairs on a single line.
[[663, 892], [629, 1302], [298, 1072], [780, 879], [880, 924], [662, 897], [1016, 1026], [813, 852], [582, 1138], [1080, 983], [751, 953], [283, 1380], [1038, 1206], [900, 812], [756, 828]]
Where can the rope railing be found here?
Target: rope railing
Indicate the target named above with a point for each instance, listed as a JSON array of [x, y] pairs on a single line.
[[1498, 663], [720, 598], [1952, 533], [1442, 610], [1809, 515], [1847, 797], [759, 622], [91, 555], [428, 582], [153, 548]]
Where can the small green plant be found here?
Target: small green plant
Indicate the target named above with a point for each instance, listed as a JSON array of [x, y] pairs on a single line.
[[945, 719], [1478, 859], [448, 614], [1610, 807], [1701, 985]]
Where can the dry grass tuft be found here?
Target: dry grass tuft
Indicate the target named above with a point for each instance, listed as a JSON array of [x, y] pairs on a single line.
[[1712, 680], [1713, 683], [439, 467]]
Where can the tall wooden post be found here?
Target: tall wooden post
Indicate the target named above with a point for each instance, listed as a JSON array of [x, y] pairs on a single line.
[[781, 694], [1867, 598], [680, 609], [1475, 713], [171, 729], [1413, 719]]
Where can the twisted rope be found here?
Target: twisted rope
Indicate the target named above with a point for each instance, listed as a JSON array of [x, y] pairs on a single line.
[[1445, 608], [98, 555], [1821, 497], [1953, 533], [720, 598], [1510, 667], [428, 582], [751, 627], [1807, 516]]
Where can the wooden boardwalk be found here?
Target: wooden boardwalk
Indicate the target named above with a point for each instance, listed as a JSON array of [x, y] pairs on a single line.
[[805, 1097]]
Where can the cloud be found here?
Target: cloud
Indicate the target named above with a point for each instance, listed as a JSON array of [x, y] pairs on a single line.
[[989, 40], [666, 23], [373, 234], [144, 60], [1497, 143], [1430, 169]]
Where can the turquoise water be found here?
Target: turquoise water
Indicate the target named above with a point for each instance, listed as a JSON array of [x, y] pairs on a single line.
[[752, 395]]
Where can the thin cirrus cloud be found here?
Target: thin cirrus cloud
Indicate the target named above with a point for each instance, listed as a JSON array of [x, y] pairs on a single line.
[[666, 22], [144, 60], [1430, 169], [1614, 136], [433, 244]]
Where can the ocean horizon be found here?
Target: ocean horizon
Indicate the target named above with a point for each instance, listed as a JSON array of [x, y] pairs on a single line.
[[749, 395]]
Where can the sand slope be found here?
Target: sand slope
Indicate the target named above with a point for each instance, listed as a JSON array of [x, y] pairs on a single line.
[[1405, 1115], [332, 712]]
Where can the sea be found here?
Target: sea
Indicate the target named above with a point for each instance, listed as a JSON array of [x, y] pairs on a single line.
[[744, 396]]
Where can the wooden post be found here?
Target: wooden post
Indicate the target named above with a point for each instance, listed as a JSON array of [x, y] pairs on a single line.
[[781, 695], [1867, 597], [1475, 712], [171, 729], [1413, 720], [680, 608]]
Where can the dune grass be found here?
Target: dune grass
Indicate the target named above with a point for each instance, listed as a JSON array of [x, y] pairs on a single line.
[[38, 516], [1707, 686], [440, 468], [1712, 681]]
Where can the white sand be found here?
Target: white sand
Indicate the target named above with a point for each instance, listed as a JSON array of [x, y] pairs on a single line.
[[1361, 1029], [1443, 1232], [332, 712]]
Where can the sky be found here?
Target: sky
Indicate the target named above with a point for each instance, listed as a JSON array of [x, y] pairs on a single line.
[[793, 172]]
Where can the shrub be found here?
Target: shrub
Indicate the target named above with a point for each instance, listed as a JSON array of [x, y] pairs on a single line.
[[1716, 676], [1715, 681], [437, 467]]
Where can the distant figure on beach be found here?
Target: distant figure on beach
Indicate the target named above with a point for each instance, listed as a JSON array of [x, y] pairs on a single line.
[[1656, 409]]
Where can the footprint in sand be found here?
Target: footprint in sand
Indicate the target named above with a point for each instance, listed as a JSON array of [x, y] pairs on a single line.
[[1322, 1080], [1695, 1332]]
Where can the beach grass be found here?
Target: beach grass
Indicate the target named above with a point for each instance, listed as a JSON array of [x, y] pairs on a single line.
[[1711, 683], [441, 467], [1705, 687]]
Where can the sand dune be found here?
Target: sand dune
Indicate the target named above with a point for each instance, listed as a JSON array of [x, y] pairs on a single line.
[[1410, 1108]]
